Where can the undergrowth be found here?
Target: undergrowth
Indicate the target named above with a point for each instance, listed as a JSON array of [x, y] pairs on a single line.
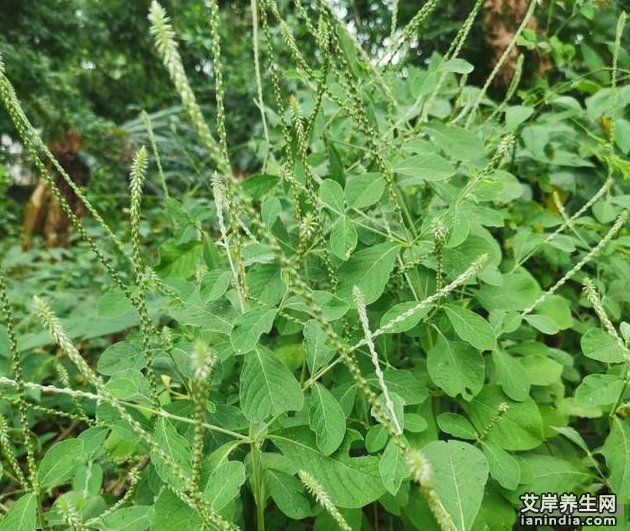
[[410, 317]]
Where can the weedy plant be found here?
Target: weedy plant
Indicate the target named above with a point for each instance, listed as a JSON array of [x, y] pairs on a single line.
[[385, 329]]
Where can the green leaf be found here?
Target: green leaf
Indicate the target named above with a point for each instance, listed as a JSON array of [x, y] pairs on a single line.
[[616, 450], [214, 284], [288, 494], [318, 353], [598, 345], [120, 356], [520, 428], [133, 518], [471, 327], [369, 269], [518, 291], [211, 315], [114, 304], [179, 261], [267, 387], [169, 513], [404, 384], [540, 369], [457, 66], [425, 167], [364, 190], [343, 238], [456, 142], [326, 419], [407, 323], [599, 389], [456, 367], [131, 385], [460, 472], [511, 375], [224, 484], [456, 425], [22, 515], [177, 449], [503, 467], [393, 468], [547, 473], [331, 194], [350, 482], [515, 115], [58, 465], [249, 326]]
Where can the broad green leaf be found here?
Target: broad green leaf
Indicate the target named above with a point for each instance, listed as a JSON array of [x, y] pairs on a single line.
[[120, 356], [114, 304], [511, 375], [214, 284], [249, 326], [518, 291], [471, 327], [420, 168], [331, 306], [393, 468], [259, 184], [503, 467], [349, 481], [331, 193], [598, 345], [364, 190], [542, 323], [264, 281], [616, 450], [214, 315], [456, 142], [318, 353], [456, 425], [224, 484], [343, 237], [496, 513], [519, 428], [515, 115], [179, 261], [132, 518], [288, 494], [22, 516], [59, 462], [456, 367], [326, 419], [369, 269], [131, 385], [460, 472], [552, 474], [541, 370], [557, 309], [169, 513], [404, 384], [457, 66], [267, 387], [409, 322], [599, 389], [178, 451]]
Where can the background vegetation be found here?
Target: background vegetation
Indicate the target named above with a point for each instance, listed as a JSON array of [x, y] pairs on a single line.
[[311, 265]]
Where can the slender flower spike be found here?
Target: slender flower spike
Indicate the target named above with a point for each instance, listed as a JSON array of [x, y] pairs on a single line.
[[389, 403], [321, 496], [422, 474]]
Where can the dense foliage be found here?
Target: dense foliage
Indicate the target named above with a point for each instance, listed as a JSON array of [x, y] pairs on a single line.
[[413, 310]]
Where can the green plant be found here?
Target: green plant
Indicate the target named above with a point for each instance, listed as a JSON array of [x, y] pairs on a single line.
[[389, 319]]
